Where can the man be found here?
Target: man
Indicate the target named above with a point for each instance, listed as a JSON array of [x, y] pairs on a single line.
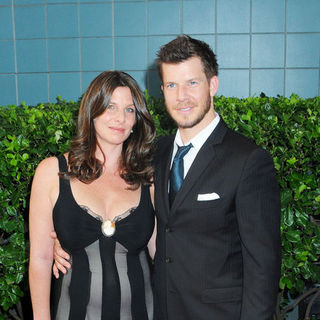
[[217, 203], [218, 241]]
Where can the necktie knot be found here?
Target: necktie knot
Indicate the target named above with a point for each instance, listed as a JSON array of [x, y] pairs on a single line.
[[177, 171], [182, 151]]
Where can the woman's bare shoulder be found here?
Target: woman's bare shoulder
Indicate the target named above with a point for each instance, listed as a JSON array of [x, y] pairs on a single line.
[[48, 165], [45, 184], [47, 170]]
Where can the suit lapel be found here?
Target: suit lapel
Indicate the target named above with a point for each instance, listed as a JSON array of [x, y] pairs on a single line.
[[205, 156]]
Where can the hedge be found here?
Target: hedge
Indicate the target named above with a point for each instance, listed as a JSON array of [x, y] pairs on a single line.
[[289, 128]]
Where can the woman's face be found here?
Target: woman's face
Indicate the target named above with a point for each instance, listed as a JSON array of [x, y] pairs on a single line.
[[114, 125]]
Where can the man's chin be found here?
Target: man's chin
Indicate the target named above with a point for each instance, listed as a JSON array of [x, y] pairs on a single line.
[[186, 124]]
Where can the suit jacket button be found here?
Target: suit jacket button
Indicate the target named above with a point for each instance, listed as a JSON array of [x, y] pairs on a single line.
[[168, 230], [168, 260]]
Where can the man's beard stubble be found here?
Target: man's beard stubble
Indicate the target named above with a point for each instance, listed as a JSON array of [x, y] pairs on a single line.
[[186, 124]]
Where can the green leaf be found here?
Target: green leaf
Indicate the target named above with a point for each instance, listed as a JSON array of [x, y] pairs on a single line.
[[302, 218], [11, 211], [247, 117], [288, 217], [58, 135], [289, 262], [293, 236], [285, 282], [302, 188], [13, 162], [292, 160], [25, 156]]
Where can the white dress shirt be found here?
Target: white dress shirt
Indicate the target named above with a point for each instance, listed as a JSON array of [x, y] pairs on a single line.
[[197, 143]]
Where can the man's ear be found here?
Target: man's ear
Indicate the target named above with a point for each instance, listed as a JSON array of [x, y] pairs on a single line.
[[213, 84]]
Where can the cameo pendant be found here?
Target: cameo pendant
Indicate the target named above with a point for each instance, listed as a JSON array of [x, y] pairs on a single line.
[[108, 228]]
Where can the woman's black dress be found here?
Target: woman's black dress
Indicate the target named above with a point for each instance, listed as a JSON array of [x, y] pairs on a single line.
[[110, 276]]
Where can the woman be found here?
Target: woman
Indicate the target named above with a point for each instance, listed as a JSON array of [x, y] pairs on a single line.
[[97, 199]]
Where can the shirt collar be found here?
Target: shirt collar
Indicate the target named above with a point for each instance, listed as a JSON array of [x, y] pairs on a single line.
[[201, 137]]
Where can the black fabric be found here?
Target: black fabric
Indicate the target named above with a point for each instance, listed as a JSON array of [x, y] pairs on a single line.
[[135, 275], [79, 286], [111, 287], [77, 230]]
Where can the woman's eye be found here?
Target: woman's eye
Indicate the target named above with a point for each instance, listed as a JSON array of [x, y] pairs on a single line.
[[110, 107], [171, 85], [130, 110]]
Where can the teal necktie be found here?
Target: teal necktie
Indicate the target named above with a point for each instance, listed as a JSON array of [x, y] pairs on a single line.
[[177, 171]]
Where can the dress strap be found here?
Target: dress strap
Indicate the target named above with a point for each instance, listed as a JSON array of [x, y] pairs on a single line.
[[64, 184], [63, 166], [145, 194]]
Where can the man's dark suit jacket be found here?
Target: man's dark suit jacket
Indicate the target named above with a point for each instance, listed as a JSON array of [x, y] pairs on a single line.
[[218, 259]]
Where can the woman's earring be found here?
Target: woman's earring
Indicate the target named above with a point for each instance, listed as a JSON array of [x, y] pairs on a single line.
[[131, 131]]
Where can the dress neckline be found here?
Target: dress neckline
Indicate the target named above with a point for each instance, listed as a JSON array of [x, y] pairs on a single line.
[[120, 217], [116, 218], [85, 209]]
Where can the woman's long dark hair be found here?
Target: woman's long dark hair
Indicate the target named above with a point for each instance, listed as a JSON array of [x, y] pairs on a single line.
[[136, 160]]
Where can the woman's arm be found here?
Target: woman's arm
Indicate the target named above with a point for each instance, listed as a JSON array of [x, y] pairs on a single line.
[[152, 241], [44, 193]]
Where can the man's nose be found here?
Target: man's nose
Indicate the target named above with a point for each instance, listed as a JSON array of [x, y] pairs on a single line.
[[182, 93]]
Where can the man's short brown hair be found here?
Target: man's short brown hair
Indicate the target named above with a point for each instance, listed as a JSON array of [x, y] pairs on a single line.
[[183, 48]]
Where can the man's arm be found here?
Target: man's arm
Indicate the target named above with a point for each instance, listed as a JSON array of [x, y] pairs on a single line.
[[258, 213]]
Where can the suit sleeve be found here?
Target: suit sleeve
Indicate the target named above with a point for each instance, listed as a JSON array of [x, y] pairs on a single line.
[[258, 214]]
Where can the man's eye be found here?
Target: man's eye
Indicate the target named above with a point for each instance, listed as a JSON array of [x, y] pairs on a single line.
[[192, 83]]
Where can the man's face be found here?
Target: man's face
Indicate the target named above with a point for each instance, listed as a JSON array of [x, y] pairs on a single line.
[[188, 94]]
